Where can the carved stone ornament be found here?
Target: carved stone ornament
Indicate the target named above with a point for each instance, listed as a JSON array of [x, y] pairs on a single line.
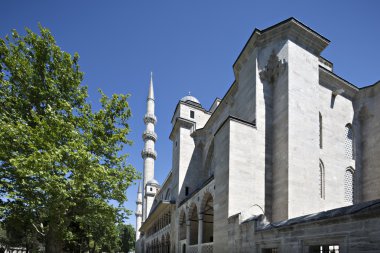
[[273, 69]]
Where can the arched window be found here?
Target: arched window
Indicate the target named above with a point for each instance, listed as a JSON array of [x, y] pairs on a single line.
[[348, 141], [321, 180], [167, 240], [349, 185], [320, 131]]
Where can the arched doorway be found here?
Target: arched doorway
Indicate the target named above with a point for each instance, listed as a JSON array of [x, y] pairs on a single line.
[[182, 226], [208, 218], [193, 218], [167, 243]]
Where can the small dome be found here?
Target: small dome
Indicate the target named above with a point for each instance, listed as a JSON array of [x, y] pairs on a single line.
[[152, 182], [190, 98]]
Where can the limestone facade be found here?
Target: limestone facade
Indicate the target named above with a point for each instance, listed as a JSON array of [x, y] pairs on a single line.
[[290, 138]]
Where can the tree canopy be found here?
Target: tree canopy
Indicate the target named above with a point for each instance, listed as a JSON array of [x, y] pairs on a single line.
[[61, 162]]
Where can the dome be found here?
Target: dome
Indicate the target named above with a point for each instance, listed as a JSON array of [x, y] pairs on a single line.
[[153, 182], [190, 98]]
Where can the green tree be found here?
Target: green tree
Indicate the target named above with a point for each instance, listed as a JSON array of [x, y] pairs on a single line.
[[127, 237], [61, 162]]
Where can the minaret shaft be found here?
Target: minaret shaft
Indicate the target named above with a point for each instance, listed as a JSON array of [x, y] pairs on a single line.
[[148, 153], [138, 213]]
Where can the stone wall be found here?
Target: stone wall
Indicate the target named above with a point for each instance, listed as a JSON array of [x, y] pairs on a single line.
[[355, 232], [367, 110]]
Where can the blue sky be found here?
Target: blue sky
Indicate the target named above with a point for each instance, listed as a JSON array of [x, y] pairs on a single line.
[[189, 46]]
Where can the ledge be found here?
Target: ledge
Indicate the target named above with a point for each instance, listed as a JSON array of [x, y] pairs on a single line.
[[289, 29], [149, 135], [232, 118], [147, 152], [372, 207], [150, 118], [181, 122]]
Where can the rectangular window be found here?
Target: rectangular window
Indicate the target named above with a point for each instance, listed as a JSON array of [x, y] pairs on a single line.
[[192, 114], [186, 190], [324, 249]]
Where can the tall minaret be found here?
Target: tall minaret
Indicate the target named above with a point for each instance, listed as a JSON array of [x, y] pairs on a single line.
[[148, 153], [138, 211]]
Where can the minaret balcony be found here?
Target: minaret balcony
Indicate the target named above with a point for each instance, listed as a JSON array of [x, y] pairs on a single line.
[[148, 152], [150, 118], [149, 135], [138, 213]]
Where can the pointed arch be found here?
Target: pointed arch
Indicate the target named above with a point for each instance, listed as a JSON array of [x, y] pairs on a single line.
[[182, 225], [167, 243], [321, 179], [349, 185], [193, 220], [163, 244], [207, 211]]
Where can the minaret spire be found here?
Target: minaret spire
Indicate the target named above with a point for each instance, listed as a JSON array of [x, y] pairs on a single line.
[[149, 154], [151, 92], [139, 189]]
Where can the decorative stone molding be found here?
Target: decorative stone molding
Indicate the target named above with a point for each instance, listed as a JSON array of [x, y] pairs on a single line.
[[273, 69], [150, 194], [148, 152], [149, 135], [150, 118]]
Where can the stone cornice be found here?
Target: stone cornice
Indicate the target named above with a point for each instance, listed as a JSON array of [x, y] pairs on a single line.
[[181, 122], [232, 118], [333, 82], [190, 104], [290, 29], [227, 98]]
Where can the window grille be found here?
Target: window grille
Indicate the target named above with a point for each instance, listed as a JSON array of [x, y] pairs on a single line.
[[348, 142], [320, 131], [321, 180], [192, 114], [349, 186]]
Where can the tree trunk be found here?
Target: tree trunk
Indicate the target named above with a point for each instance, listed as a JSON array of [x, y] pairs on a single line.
[[93, 249], [54, 242]]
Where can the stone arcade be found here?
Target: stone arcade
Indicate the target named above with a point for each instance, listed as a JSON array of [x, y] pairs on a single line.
[[287, 161]]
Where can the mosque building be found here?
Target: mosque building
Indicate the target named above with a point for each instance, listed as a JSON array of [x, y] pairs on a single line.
[[287, 161]]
